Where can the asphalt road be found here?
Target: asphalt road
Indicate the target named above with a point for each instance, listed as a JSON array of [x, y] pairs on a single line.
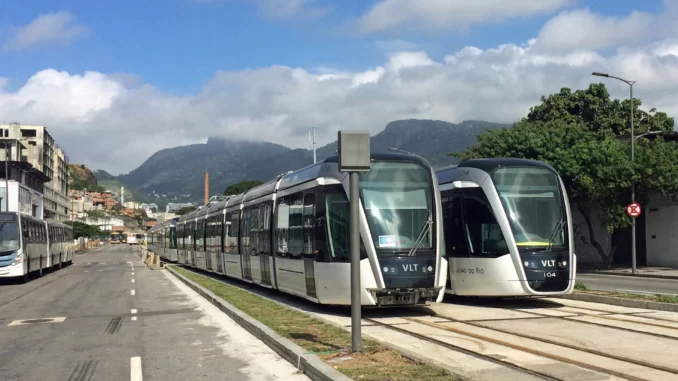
[[116, 319], [623, 283]]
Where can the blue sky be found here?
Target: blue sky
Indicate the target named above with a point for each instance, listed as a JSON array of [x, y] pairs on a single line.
[[175, 72], [178, 45]]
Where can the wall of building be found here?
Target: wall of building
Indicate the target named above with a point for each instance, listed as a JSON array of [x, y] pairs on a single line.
[[22, 199], [586, 252], [661, 216], [104, 223], [47, 158]]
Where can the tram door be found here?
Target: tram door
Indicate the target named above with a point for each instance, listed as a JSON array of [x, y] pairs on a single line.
[[244, 247], [308, 222], [265, 242]]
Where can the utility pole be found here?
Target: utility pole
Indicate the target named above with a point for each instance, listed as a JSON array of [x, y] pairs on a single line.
[[312, 138], [354, 157]]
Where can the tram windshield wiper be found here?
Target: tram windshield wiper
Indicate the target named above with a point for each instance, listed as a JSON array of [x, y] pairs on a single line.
[[556, 230], [421, 236]]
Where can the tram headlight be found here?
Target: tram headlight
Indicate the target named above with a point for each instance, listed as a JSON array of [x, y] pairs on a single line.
[[562, 264], [530, 264]]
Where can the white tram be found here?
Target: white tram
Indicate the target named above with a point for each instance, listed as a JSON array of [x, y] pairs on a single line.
[[162, 239], [292, 234], [29, 245], [508, 228]]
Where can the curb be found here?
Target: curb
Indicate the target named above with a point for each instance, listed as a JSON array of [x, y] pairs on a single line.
[[653, 276], [621, 302], [312, 366]]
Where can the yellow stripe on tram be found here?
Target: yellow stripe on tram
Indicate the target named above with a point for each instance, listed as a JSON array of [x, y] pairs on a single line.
[[534, 243]]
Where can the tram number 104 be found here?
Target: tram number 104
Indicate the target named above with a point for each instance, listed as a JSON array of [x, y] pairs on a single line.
[[549, 274]]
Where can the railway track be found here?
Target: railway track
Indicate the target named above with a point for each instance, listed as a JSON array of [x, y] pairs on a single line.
[[533, 345]]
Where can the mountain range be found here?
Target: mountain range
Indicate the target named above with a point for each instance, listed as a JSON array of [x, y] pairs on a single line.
[[177, 174]]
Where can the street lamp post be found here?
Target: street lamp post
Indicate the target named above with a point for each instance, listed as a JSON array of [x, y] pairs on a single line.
[[633, 183]]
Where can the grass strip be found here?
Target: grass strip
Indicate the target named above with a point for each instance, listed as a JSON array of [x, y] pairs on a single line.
[[330, 343], [661, 298]]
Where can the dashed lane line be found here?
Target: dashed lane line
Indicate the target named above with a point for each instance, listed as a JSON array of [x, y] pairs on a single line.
[[135, 369]]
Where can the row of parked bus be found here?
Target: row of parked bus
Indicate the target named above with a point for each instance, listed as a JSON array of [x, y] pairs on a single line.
[[128, 238], [486, 227], [29, 245]]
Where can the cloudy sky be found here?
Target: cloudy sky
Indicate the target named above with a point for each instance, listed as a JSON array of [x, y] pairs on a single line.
[[117, 81]]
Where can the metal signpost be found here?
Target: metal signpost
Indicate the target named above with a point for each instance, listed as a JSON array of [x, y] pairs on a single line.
[[354, 157]]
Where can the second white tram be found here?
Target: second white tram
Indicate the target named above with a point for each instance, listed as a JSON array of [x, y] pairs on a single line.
[[508, 228], [292, 234]]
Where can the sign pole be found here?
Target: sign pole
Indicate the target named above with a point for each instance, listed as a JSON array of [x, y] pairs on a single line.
[[354, 157], [356, 340]]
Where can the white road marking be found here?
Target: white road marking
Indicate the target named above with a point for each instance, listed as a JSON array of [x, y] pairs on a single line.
[[134, 318], [132, 274], [134, 310], [33, 321], [130, 262], [132, 280], [135, 369], [133, 292], [89, 263]]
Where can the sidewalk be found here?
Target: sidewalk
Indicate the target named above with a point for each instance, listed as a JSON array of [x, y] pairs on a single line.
[[643, 272]]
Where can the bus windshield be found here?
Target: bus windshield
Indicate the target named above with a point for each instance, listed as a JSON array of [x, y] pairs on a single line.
[[533, 202], [9, 236], [397, 201]]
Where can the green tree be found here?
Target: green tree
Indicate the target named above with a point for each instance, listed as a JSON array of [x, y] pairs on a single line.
[[577, 133], [241, 187], [81, 229]]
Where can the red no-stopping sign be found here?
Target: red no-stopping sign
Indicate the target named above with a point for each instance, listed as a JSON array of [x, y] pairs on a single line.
[[633, 209]]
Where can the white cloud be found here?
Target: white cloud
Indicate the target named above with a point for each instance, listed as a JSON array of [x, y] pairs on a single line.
[[51, 28], [115, 122], [448, 14], [581, 29]]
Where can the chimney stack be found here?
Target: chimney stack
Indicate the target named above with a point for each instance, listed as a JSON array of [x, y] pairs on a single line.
[[207, 187]]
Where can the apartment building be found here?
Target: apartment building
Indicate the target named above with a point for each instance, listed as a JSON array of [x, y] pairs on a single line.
[[50, 160], [22, 187]]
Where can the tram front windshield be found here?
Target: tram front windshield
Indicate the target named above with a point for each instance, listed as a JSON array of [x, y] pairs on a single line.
[[9, 236], [397, 201], [533, 202]]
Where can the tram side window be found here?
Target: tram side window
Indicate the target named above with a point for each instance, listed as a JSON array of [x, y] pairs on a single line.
[[296, 226], [453, 224], [282, 228], [484, 235], [231, 232], [309, 225], [338, 219]]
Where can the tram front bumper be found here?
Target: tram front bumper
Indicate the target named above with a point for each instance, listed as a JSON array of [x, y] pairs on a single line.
[[404, 297]]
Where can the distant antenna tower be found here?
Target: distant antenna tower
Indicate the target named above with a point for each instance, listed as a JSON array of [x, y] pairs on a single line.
[[311, 137]]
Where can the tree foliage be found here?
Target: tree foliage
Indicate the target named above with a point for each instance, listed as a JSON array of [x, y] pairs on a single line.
[[81, 229], [241, 187], [577, 133]]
